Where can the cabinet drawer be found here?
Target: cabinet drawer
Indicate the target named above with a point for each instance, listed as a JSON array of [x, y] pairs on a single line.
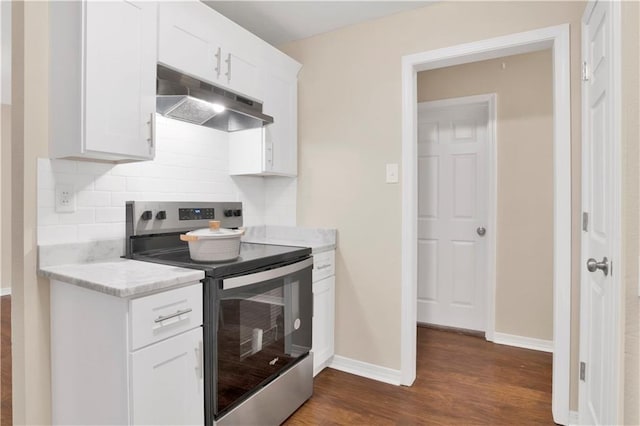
[[166, 314], [323, 265]]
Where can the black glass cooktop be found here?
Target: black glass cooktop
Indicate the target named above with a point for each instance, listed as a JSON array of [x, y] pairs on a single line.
[[252, 257]]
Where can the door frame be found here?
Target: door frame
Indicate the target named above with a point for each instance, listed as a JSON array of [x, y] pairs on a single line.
[[490, 100], [557, 38], [614, 399]]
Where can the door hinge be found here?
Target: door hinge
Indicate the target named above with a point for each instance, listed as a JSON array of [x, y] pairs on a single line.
[[585, 221], [583, 368], [585, 71]]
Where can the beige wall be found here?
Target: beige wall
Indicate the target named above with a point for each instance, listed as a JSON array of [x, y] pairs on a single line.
[[5, 191], [30, 295], [524, 252], [350, 119], [631, 210]]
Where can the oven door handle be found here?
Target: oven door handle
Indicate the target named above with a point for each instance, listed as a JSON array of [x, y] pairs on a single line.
[[271, 274]]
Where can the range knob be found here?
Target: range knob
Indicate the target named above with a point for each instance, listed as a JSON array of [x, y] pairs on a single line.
[[237, 212], [146, 215], [228, 213], [161, 215]]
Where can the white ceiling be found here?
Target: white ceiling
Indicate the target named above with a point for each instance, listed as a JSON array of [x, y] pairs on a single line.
[[279, 22]]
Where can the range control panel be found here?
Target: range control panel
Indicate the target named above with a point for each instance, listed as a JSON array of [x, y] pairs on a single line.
[[152, 217], [196, 213]]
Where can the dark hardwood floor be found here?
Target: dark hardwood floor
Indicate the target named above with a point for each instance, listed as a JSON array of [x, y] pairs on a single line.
[[461, 379], [6, 418]]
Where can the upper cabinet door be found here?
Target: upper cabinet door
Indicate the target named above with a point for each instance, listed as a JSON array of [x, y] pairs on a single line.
[[188, 41], [280, 101], [120, 62], [196, 40], [102, 79]]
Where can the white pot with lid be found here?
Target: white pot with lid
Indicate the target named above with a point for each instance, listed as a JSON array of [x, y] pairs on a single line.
[[213, 244]]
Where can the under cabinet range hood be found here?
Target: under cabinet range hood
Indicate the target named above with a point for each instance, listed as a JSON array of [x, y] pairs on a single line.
[[185, 98]]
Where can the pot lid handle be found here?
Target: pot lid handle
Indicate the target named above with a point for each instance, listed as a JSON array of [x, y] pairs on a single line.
[[214, 225]]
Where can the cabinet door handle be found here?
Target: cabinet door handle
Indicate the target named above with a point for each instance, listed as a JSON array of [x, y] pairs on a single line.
[[175, 314], [151, 124], [324, 267], [199, 355], [218, 56], [228, 73]]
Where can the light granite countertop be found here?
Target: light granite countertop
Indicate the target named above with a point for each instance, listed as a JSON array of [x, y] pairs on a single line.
[[96, 265], [122, 277], [318, 239]]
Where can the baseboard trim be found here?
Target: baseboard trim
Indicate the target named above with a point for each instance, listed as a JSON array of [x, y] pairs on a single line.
[[574, 418], [523, 342], [5, 291], [364, 369]]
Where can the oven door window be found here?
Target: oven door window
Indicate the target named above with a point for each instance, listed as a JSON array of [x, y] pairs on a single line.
[[262, 329]]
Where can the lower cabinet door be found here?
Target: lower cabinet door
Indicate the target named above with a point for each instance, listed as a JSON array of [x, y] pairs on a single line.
[[167, 381], [323, 323]]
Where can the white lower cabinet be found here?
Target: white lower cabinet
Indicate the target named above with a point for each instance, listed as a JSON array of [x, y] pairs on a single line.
[[324, 294], [167, 381], [126, 361]]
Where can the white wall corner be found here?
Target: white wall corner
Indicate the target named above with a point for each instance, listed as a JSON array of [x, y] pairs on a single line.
[[369, 371]]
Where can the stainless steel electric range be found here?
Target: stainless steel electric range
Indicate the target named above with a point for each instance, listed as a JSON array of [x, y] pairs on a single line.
[[257, 312]]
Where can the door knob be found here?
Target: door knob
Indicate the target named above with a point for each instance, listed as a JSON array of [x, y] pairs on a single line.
[[481, 231], [593, 265]]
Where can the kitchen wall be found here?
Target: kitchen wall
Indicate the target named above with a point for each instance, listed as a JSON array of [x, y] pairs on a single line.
[[352, 79], [5, 204], [191, 164], [631, 208], [29, 294], [5, 148], [523, 85]]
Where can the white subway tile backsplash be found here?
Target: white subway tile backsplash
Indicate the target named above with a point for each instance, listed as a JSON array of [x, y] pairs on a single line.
[[110, 214], [46, 198], [80, 216], [120, 198], [102, 231], [92, 168], [93, 199], [110, 183], [64, 166], [191, 164], [47, 216], [80, 181], [57, 234]]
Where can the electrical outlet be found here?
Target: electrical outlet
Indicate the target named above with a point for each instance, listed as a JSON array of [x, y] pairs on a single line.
[[65, 198]]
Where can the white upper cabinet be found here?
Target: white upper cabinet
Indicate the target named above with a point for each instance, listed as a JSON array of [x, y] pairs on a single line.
[[272, 150], [196, 40], [102, 86]]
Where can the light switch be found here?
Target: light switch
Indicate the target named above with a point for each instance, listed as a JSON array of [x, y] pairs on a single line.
[[392, 173]]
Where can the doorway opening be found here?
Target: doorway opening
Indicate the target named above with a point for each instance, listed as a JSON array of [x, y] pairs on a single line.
[[556, 39], [485, 207]]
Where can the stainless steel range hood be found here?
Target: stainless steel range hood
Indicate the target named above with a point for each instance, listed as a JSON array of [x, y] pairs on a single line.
[[188, 99]]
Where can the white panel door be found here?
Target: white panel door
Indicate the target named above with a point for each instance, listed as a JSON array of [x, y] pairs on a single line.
[[452, 212], [120, 85], [167, 382], [599, 310]]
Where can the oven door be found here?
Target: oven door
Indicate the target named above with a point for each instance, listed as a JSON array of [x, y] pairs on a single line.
[[263, 326]]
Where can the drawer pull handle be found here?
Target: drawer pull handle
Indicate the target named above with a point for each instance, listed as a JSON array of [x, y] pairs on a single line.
[[176, 314], [324, 266]]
